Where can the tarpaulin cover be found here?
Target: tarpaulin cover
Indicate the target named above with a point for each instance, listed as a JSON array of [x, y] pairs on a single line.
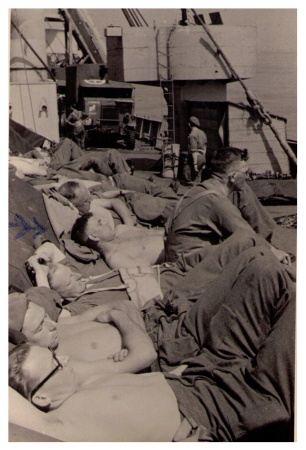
[[21, 139], [275, 189]]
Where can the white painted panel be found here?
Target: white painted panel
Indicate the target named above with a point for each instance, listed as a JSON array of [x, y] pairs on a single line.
[[35, 107]]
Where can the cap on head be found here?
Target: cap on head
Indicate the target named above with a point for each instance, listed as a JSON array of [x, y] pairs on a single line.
[[18, 305], [50, 300], [194, 121]]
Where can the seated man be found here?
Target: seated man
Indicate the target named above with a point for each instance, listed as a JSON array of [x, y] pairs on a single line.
[[205, 216], [123, 246], [239, 382], [145, 206]]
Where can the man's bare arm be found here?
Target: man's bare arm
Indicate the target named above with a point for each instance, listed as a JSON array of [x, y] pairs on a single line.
[[92, 314], [23, 413], [115, 194], [49, 253], [37, 264], [119, 207], [141, 352], [122, 210]]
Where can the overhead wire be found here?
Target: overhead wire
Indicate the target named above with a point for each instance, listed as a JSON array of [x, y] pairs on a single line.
[[143, 19], [134, 17]]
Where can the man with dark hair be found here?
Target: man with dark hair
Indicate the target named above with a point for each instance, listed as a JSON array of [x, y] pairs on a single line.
[[225, 157], [124, 246], [78, 233], [205, 215]]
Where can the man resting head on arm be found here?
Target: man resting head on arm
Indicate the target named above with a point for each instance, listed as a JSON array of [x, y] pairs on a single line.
[[77, 193], [122, 247]]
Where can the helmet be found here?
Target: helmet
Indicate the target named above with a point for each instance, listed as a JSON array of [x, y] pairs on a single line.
[[194, 120]]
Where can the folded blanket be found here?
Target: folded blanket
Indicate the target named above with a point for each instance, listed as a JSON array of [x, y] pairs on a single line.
[[62, 214], [79, 252]]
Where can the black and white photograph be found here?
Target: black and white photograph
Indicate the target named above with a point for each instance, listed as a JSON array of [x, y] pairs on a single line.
[[152, 223]]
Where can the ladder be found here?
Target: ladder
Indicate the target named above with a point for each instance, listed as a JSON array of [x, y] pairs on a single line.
[[165, 77], [85, 34]]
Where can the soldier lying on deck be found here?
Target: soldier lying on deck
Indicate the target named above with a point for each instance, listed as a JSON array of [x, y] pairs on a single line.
[[241, 379], [123, 246], [95, 340], [146, 207]]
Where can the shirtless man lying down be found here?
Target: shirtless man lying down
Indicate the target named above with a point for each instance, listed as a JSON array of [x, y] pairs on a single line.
[[94, 340], [240, 381], [124, 246]]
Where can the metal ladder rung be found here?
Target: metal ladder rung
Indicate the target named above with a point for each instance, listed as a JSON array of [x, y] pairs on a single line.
[[167, 83]]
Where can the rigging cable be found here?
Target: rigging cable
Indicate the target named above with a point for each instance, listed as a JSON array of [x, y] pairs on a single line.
[[143, 19]]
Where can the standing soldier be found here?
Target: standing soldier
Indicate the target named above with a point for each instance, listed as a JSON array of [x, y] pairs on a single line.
[[129, 127], [197, 146], [75, 120]]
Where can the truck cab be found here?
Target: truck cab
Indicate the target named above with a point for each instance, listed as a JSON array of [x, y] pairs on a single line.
[[106, 103]]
